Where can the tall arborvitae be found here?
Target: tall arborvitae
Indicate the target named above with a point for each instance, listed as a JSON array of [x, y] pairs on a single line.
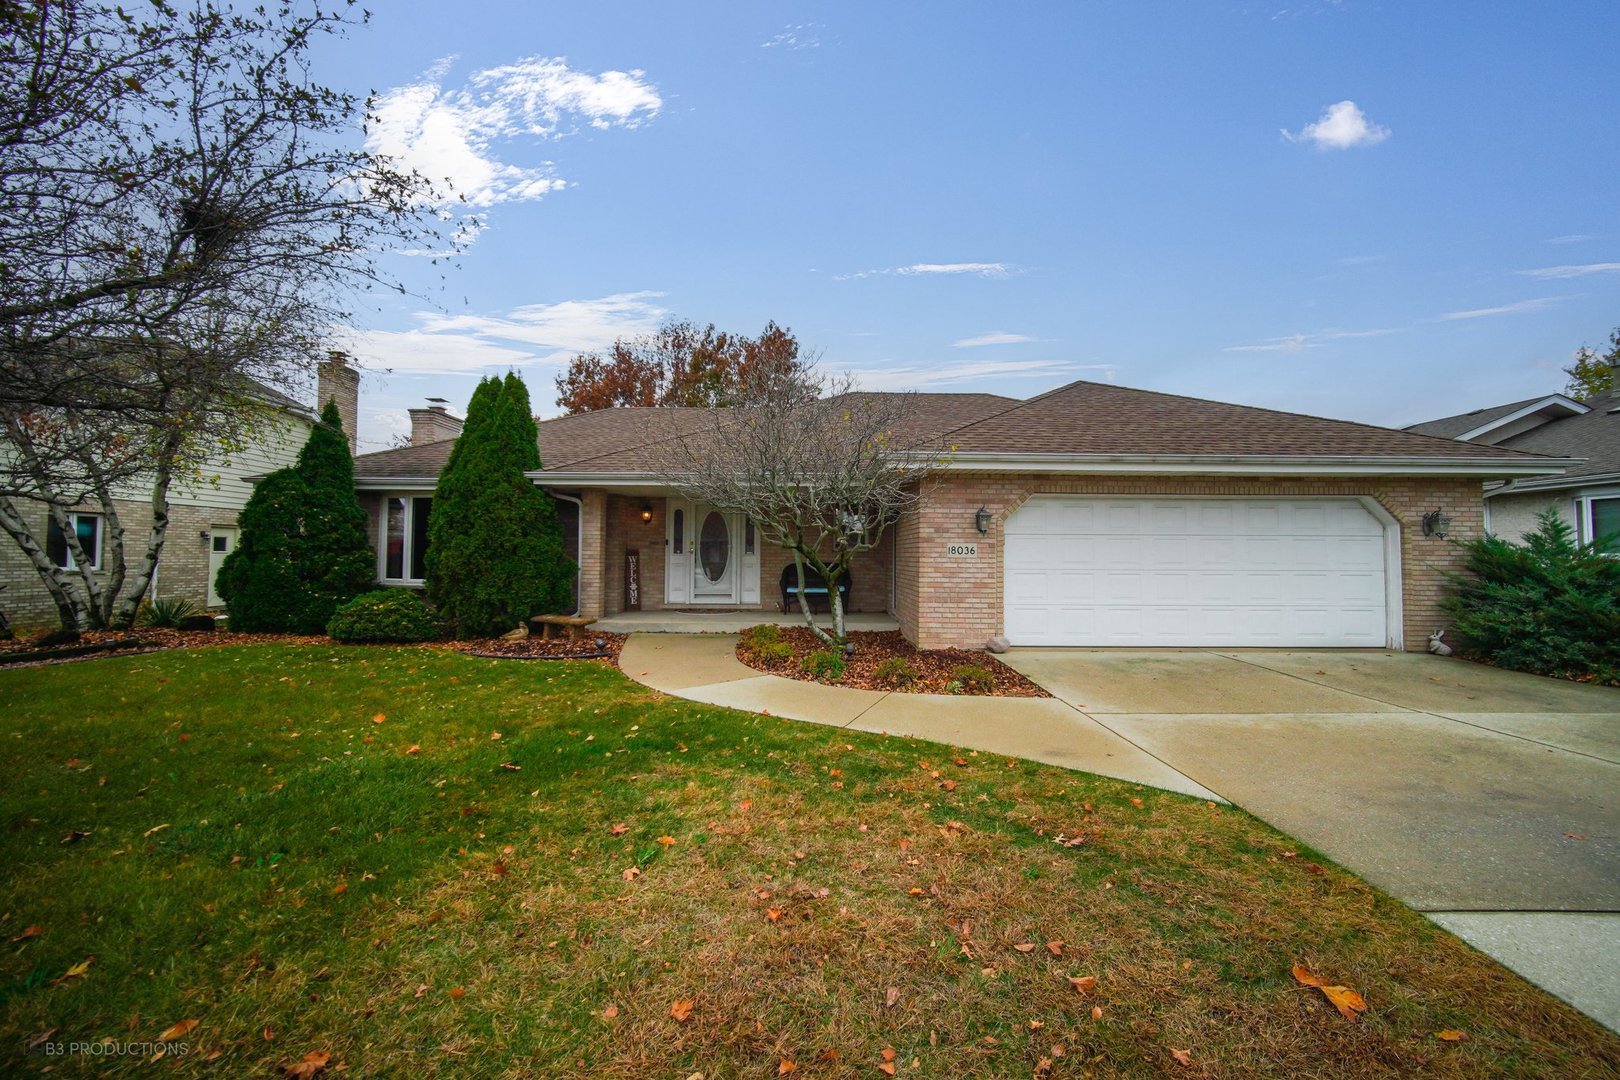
[[302, 548], [495, 551]]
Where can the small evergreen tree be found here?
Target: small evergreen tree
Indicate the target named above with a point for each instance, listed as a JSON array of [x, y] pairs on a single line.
[[495, 548], [302, 549], [1548, 605]]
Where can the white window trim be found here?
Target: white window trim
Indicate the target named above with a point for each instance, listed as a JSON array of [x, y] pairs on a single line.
[[1584, 531], [410, 531], [73, 517]]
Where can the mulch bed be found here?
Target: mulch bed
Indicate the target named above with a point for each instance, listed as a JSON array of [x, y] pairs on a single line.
[[148, 639], [594, 646], [934, 667]]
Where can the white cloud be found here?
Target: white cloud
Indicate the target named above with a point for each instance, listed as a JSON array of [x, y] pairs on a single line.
[[460, 135], [533, 334], [1538, 304], [796, 36], [1557, 272], [1294, 343], [1342, 126], [996, 337], [947, 375], [1572, 238], [979, 269]]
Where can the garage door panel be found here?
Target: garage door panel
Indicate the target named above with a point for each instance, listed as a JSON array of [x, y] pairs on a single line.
[[1194, 572]]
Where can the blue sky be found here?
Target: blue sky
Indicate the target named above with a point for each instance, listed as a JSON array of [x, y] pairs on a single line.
[[1376, 211]]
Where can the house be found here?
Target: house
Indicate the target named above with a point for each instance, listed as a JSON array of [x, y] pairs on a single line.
[[1093, 515], [1586, 496], [202, 509]]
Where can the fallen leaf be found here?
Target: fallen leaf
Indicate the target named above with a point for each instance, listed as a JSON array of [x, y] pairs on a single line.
[[1058, 1050], [1025, 946], [314, 1062], [1137, 803], [340, 888], [1036, 1025], [494, 736], [458, 992], [892, 997], [1574, 836], [1304, 975], [75, 835], [177, 1031], [784, 1067], [40, 1040], [888, 1053], [420, 990], [379, 718], [619, 829], [499, 868], [610, 1012], [886, 1068], [915, 892], [413, 749], [1055, 948], [28, 932], [511, 766], [666, 840], [1043, 1068], [773, 914], [154, 829], [1349, 1003], [1183, 1057], [77, 971], [268, 1033], [1452, 1035], [1096, 1012], [681, 1010], [746, 805], [1083, 984], [631, 873]]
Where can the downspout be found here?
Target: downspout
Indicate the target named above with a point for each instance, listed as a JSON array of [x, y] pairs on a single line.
[[579, 543]]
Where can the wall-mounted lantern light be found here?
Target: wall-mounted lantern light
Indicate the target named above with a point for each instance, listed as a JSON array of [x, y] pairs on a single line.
[[646, 512], [1436, 523], [203, 536], [981, 520]]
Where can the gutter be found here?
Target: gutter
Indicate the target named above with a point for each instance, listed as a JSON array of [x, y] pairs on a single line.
[[1554, 483], [1258, 464]]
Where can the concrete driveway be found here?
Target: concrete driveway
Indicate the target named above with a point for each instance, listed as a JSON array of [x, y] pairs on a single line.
[[1488, 799]]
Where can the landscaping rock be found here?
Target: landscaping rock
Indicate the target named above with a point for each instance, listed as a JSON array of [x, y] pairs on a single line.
[[998, 644]]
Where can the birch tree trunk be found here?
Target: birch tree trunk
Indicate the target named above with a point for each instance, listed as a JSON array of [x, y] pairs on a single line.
[[70, 607]]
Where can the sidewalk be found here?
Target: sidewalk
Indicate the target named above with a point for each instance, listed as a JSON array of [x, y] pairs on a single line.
[[704, 667]]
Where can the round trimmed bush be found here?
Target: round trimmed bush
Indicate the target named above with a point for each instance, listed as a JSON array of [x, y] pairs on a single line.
[[386, 615]]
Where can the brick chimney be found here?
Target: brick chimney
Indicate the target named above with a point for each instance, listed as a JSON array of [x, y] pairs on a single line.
[[433, 424], [337, 379]]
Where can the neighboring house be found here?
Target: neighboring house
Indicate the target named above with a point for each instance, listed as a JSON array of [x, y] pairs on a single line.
[[1092, 515], [202, 512], [1586, 496]]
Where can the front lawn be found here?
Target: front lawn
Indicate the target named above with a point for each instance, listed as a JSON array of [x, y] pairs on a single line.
[[410, 861]]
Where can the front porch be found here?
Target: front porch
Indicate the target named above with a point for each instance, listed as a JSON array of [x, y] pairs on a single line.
[[672, 621]]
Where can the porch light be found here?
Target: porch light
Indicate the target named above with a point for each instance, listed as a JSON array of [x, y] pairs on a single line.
[[1436, 523], [981, 520], [646, 512], [203, 536]]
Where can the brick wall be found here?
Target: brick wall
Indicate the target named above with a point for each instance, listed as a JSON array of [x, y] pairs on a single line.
[[182, 566], [958, 602]]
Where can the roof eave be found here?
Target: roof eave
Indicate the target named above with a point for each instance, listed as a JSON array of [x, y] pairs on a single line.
[[1569, 406], [1555, 483], [1257, 464], [395, 483]]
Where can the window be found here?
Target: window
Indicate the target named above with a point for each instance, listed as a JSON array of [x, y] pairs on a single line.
[[88, 529], [1600, 520], [404, 541], [679, 529]]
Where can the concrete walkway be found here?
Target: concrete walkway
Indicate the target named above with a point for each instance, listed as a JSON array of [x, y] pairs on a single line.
[[1487, 799], [704, 667]]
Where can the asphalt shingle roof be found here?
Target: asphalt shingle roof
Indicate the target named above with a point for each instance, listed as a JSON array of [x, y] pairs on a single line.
[[1594, 436], [1080, 418], [1449, 427]]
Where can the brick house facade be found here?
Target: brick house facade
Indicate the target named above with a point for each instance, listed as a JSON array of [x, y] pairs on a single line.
[[945, 581]]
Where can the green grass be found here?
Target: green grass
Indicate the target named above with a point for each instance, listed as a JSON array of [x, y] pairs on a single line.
[[264, 858]]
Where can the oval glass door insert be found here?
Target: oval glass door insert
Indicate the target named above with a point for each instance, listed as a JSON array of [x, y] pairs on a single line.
[[714, 546]]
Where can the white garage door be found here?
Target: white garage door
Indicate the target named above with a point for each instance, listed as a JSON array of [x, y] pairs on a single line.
[[1194, 572]]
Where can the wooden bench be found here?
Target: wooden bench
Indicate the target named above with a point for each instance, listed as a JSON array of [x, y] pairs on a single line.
[[815, 589], [574, 624]]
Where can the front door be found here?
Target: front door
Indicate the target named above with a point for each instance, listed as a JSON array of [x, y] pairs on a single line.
[[711, 557], [221, 539]]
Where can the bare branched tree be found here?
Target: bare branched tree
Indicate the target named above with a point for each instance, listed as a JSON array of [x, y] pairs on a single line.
[[185, 211], [821, 468]]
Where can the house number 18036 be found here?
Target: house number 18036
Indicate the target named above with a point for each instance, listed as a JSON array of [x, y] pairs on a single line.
[[962, 551]]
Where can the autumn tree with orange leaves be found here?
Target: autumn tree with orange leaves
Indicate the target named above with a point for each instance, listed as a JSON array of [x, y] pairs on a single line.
[[679, 364]]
